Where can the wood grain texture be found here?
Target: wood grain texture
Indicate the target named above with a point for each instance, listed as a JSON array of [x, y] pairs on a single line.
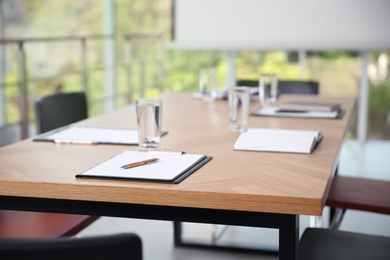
[[235, 180]]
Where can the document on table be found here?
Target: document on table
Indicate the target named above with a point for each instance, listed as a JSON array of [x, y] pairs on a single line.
[[90, 135], [278, 140], [167, 168], [275, 111]]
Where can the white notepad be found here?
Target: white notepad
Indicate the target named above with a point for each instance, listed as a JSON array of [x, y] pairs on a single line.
[[278, 140], [168, 168]]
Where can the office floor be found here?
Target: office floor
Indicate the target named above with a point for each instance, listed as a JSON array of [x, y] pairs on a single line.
[[369, 160]]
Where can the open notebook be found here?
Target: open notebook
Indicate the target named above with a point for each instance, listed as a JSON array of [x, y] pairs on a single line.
[[168, 169], [278, 140]]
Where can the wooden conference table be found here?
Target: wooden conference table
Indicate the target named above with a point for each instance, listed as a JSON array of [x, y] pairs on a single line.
[[257, 189]]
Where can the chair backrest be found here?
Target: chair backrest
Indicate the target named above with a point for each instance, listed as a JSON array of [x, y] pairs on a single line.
[[288, 86], [298, 87], [59, 110], [126, 246], [324, 244]]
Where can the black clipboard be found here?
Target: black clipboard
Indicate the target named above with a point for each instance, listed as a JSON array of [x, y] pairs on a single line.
[[109, 169]]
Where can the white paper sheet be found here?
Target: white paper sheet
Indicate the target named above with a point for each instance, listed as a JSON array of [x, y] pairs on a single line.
[[94, 135]]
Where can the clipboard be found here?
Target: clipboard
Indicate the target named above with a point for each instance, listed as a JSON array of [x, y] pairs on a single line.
[[276, 112], [168, 169], [90, 135]]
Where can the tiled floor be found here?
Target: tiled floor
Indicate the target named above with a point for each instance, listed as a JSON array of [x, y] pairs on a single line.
[[370, 160]]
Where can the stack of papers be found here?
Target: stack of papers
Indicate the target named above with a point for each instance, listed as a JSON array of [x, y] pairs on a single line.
[[277, 140], [167, 169]]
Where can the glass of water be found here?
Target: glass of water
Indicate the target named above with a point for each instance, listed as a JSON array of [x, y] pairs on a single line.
[[208, 83], [149, 115], [239, 101], [268, 89]]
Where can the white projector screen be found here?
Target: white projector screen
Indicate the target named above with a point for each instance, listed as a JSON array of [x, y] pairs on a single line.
[[282, 24]]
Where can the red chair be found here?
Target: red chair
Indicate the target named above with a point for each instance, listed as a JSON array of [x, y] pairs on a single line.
[[51, 112], [24, 224], [357, 194]]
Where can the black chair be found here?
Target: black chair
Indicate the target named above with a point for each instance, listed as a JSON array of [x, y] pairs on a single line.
[[288, 86], [126, 246], [298, 87], [59, 110], [325, 244]]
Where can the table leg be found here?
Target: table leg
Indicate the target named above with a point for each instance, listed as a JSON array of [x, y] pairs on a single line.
[[289, 238], [177, 233]]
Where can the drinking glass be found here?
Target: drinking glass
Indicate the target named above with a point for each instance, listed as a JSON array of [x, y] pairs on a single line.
[[208, 83], [149, 115], [268, 89], [239, 99]]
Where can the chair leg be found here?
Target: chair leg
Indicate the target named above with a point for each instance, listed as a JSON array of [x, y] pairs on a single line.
[[218, 231], [315, 221], [336, 218]]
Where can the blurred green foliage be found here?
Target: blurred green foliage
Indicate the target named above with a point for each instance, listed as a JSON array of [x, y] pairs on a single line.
[[56, 66], [379, 99]]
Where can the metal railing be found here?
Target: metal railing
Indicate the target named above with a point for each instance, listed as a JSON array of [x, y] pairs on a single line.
[[132, 44], [23, 75], [131, 58]]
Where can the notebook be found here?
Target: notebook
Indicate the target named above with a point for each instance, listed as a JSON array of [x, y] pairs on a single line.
[[168, 168], [278, 140]]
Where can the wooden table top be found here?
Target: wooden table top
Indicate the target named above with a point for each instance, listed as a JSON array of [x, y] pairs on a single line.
[[234, 180]]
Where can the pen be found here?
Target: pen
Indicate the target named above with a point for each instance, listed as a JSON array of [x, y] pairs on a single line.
[[63, 141], [290, 111], [166, 151], [135, 164]]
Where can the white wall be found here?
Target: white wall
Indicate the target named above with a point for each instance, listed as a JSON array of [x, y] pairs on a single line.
[[282, 24]]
